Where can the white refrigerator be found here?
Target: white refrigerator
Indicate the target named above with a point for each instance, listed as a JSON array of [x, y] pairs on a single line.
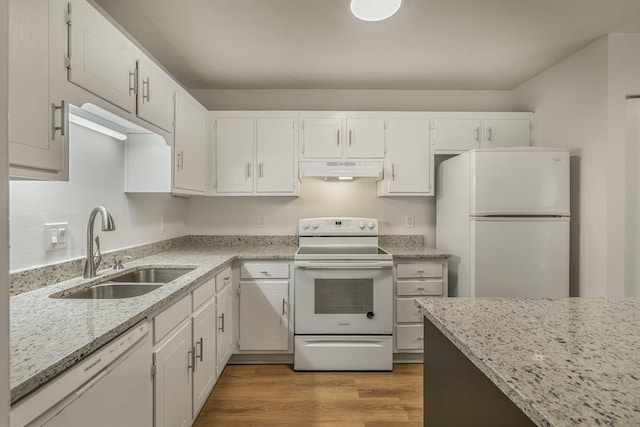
[[504, 216]]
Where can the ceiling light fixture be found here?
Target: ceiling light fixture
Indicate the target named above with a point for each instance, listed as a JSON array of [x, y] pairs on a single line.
[[374, 10]]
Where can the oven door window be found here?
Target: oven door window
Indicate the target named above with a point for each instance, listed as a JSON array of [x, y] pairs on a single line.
[[343, 296]]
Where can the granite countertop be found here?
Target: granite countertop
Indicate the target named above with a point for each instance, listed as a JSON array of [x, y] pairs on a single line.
[[50, 335], [417, 252], [572, 361]]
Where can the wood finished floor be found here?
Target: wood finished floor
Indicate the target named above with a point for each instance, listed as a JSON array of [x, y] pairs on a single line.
[[275, 395]]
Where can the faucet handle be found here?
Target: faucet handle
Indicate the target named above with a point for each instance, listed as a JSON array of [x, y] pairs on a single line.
[[119, 264]]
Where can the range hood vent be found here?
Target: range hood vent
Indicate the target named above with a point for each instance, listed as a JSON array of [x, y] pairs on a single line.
[[370, 171]]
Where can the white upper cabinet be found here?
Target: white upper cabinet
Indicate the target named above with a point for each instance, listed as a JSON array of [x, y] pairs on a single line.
[[507, 133], [255, 153], [100, 59], [275, 155], [191, 144], [38, 119], [408, 168], [322, 138], [234, 155], [365, 138], [456, 134], [342, 135], [155, 94]]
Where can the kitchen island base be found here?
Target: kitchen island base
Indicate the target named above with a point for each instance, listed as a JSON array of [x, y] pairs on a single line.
[[457, 393]]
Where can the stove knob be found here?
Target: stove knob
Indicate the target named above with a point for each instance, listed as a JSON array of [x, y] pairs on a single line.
[[371, 225], [305, 225], [361, 225], [315, 225]]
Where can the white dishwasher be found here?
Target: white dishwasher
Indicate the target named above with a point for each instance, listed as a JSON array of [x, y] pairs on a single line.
[[112, 387]]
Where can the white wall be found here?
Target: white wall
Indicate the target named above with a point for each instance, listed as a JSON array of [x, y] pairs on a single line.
[[355, 100], [238, 215], [96, 166], [4, 214], [570, 102], [632, 246], [580, 103]]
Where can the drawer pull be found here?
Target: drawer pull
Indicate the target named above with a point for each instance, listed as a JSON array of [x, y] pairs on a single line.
[[420, 289], [420, 338]]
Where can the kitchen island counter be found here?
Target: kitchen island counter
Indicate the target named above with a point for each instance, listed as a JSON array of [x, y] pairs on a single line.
[[573, 361]]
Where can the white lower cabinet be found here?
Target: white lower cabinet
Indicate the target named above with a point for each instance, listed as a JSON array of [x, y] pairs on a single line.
[[173, 361], [224, 329], [415, 278], [264, 307], [204, 342]]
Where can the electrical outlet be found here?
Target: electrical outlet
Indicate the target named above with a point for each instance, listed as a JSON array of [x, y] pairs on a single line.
[[260, 222], [410, 221]]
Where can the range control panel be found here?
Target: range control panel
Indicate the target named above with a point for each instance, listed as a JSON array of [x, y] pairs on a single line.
[[338, 226]]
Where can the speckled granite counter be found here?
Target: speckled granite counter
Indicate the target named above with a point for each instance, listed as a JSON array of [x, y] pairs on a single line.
[[573, 361], [50, 335], [416, 252]]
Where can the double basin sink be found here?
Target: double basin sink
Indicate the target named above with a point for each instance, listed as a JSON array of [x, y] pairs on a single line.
[[129, 284]]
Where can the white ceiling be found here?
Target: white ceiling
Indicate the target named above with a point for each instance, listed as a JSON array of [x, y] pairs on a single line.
[[318, 44]]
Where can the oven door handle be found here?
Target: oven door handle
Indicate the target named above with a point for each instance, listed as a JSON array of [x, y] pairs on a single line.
[[333, 265]]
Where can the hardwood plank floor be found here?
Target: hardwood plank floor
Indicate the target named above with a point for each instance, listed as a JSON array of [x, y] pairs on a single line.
[[277, 396]]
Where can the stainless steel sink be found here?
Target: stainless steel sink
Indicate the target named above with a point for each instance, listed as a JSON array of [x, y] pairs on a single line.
[[113, 291], [128, 285], [151, 275]]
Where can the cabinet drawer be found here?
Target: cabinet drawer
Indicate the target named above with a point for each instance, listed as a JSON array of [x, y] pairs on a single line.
[[223, 279], [420, 287], [406, 311], [426, 269], [264, 271], [164, 322], [203, 293], [409, 337]]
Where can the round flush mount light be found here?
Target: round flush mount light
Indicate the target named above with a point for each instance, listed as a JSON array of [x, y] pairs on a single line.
[[374, 10]]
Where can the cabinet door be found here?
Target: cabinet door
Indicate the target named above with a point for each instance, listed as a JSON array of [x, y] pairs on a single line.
[[191, 146], [234, 155], [507, 133], [172, 392], [275, 154], [100, 58], [322, 138], [365, 138], [155, 94], [34, 109], [224, 308], [204, 338], [264, 315], [456, 134], [409, 158]]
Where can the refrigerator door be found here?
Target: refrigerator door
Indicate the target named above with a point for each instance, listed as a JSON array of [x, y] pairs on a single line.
[[519, 182], [519, 257]]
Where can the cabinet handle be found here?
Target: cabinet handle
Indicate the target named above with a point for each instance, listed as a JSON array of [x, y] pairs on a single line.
[[284, 303], [133, 83], [338, 138], [191, 361], [261, 171], [199, 342], [489, 135], [221, 317], [226, 279], [180, 164], [420, 338], [420, 289], [393, 171], [146, 82], [476, 134], [64, 109], [264, 273], [248, 170], [349, 137]]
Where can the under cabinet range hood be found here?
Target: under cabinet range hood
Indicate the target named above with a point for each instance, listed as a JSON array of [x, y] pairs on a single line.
[[370, 171]]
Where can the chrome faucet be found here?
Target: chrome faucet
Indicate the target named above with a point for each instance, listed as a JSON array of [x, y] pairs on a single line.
[[93, 261]]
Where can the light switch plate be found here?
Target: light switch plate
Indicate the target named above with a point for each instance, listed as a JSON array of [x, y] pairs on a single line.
[[56, 235]]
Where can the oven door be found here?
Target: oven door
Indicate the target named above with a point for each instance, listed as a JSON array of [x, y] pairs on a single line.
[[343, 297]]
